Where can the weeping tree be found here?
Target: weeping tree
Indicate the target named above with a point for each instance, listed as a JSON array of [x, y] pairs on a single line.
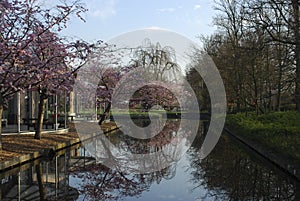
[[160, 65], [157, 60]]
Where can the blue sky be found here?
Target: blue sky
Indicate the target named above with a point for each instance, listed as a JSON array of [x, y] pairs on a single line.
[[109, 18]]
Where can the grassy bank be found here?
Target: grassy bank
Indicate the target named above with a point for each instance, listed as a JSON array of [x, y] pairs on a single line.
[[279, 131]]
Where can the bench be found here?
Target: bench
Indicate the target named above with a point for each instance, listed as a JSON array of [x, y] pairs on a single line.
[[4, 122], [31, 122], [47, 123]]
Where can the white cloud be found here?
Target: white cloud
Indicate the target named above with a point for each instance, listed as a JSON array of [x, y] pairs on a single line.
[[154, 28], [197, 7], [166, 10], [102, 8]]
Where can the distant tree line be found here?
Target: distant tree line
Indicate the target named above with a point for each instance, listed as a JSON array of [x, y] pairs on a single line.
[[256, 49]]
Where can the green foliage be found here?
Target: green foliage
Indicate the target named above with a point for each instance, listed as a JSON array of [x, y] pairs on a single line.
[[279, 131]]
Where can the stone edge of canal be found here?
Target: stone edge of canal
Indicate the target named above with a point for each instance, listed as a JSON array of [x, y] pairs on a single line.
[[286, 166], [48, 152]]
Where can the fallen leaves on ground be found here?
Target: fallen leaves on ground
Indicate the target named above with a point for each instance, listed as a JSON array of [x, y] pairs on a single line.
[[18, 145]]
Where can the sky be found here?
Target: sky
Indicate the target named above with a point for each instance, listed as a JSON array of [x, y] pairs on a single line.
[[106, 19]]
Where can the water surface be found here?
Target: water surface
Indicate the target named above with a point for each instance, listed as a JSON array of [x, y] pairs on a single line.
[[230, 172]]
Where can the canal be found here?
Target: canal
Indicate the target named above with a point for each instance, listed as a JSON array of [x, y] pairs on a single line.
[[230, 172]]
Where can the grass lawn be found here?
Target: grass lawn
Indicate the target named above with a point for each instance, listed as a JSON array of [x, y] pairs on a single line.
[[137, 112], [279, 131]]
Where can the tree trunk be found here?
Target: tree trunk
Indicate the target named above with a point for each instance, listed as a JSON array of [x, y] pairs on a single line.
[[1, 111], [297, 90], [39, 123], [278, 101], [39, 176], [105, 113], [296, 27]]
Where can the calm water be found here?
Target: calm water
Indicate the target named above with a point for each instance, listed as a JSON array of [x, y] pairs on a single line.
[[230, 172]]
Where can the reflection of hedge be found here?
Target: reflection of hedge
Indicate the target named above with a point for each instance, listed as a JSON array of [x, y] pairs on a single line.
[[279, 131]]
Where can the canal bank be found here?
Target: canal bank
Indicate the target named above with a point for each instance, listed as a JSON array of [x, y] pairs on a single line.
[[22, 148], [18, 149], [284, 163]]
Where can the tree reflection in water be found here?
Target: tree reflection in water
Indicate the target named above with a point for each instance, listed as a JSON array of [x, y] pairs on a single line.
[[123, 152], [229, 173], [163, 138], [102, 183]]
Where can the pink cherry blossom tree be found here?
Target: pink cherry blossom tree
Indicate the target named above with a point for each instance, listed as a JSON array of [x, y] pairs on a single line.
[[54, 66], [118, 82], [97, 78], [49, 71], [19, 22], [105, 89], [155, 94]]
